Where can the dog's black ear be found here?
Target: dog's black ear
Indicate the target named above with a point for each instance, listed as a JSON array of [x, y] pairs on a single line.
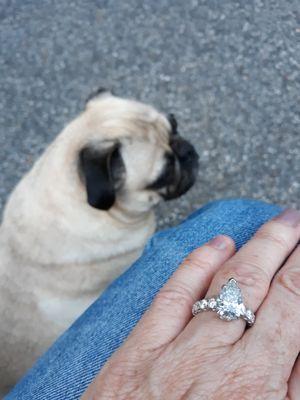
[[98, 93], [95, 168]]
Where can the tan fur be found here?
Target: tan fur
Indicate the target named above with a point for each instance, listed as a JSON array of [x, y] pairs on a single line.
[[57, 253]]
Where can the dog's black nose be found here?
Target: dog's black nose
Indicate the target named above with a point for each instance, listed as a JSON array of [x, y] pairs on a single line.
[[183, 149]]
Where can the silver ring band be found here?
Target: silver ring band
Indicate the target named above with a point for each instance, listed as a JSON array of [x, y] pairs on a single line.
[[228, 304]]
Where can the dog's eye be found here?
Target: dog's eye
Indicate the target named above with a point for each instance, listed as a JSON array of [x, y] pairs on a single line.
[[173, 123]]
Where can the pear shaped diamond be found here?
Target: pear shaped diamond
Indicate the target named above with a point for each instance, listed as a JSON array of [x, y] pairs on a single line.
[[230, 301]]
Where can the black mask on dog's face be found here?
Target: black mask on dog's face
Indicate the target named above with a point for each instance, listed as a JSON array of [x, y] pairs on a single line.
[[181, 166]]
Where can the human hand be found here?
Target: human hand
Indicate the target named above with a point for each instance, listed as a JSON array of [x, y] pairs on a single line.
[[172, 356]]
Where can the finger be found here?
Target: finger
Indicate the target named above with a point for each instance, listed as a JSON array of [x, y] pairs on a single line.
[[253, 267], [294, 382], [171, 309], [169, 312], [278, 320]]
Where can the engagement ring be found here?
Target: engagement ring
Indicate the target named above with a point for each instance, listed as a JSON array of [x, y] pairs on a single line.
[[228, 304]]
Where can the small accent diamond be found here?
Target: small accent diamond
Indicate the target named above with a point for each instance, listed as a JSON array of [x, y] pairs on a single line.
[[212, 303], [199, 306], [250, 317], [203, 304], [196, 308]]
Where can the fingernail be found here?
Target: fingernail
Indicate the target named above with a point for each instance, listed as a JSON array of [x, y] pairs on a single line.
[[290, 217], [219, 242]]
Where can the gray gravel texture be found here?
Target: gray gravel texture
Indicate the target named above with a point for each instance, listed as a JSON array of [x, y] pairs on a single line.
[[228, 69]]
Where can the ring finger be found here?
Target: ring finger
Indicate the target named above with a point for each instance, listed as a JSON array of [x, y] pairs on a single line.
[[253, 267]]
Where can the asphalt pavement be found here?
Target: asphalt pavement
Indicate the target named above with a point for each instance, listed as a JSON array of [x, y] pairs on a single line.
[[229, 70]]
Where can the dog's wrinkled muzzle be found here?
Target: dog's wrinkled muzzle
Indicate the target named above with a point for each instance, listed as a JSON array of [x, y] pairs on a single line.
[[187, 167]]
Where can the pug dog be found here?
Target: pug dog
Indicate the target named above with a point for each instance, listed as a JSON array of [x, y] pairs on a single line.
[[81, 216]]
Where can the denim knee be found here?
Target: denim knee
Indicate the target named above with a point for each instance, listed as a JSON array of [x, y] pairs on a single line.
[[233, 204], [237, 218]]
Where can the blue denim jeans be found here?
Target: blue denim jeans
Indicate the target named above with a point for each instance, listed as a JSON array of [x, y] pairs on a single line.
[[66, 369]]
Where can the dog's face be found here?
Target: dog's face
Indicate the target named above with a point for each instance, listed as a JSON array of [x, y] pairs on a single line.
[[133, 156]]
